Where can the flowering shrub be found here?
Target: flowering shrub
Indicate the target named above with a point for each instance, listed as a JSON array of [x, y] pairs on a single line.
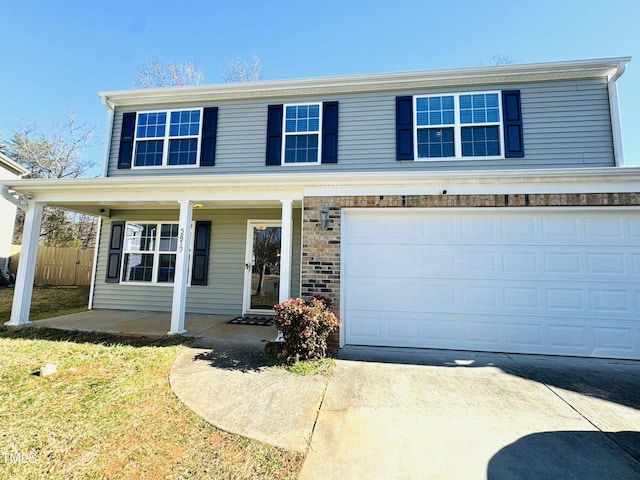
[[305, 326]]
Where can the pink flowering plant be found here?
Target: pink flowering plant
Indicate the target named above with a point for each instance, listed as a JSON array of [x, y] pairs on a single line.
[[305, 326]]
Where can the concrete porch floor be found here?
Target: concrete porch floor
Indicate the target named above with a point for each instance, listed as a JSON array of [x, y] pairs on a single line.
[[129, 322]]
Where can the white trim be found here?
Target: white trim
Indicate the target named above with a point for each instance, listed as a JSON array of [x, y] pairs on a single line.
[[107, 144], [179, 302], [23, 289], [166, 139], [286, 250], [568, 70], [91, 195], [92, 288], [615, 116]]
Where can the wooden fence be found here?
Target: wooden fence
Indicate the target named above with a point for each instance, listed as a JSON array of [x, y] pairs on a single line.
[[58, 266]]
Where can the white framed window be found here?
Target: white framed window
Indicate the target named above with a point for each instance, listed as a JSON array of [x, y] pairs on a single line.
[[149, 252], [167, 138], [458, 125], [301, 143]]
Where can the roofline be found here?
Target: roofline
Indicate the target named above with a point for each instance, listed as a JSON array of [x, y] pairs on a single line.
[[627, 175], [12, 165], [609, 68]]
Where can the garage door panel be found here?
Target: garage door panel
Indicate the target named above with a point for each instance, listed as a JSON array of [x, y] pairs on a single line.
[[555, 282]]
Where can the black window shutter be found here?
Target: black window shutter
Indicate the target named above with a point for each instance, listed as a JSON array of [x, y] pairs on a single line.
[[126, 140], [200, 269], [512, 119], [330, 132], [114, 258], [274, 134], [209, 128], [404, 128]]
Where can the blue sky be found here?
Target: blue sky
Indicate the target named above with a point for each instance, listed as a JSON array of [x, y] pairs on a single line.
[[56, 56]]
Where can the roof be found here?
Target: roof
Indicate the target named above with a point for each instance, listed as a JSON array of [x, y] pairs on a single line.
[[12, 166], [609, 68]]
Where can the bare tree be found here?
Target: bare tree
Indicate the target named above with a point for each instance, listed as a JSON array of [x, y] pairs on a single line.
[[243, 69], [56, 152], [497, 59], [155, 73], [52, 153]]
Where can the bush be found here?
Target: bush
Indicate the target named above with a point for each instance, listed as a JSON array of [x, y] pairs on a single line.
[[305, 326]]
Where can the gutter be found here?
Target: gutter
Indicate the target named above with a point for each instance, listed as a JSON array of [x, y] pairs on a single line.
[[614, 110], [12, 197], [107, 144]]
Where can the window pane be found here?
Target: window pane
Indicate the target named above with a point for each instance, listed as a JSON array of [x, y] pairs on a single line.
[[301, 149], [302, 118], [140, 237], [480, 141], [435, 110], [138, 267], [149, 153], [435, 142], [168, 237], [166, 268], [185, 123], [151, 125], [183, 152], [479, 108]]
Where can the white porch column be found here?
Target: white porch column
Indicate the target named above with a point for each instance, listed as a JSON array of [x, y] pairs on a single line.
[[27, 266], [182, 269], [286, 244]]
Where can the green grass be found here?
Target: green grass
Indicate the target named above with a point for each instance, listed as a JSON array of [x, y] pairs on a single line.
[[109, 412], [47, 301], [325, 367]]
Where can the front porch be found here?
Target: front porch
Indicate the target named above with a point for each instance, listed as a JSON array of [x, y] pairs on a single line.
[[146, 323]]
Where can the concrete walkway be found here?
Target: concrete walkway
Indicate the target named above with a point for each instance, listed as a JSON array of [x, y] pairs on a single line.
[[398, 413]]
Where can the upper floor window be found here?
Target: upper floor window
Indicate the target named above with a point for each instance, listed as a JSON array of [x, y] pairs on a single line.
[[302, 133], [458, 125], [167, 138]]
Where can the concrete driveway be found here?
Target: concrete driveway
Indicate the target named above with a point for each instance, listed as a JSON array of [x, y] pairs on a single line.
[[427, 414], [393, 413]]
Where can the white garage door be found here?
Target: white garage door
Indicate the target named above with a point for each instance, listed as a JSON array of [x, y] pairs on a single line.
[[551, 281]]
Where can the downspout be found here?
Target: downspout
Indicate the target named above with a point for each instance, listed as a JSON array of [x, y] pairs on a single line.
[[615, 114], [10, 197], [107, 144]]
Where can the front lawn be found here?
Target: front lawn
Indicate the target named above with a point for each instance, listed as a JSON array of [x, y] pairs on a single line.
[[47, 301], [109, 412]]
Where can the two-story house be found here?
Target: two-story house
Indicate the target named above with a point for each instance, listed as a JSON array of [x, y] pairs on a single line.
[[481, 208]]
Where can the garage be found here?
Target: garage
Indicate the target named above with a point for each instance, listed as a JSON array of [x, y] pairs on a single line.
[[562, 281]]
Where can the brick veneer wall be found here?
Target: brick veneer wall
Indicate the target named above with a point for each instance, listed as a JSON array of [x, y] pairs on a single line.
[[321, 248]]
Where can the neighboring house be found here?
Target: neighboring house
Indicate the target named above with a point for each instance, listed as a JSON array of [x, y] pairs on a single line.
[[9, 170], [482, 208]]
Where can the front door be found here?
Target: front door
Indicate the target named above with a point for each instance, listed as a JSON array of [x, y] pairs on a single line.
[[262, 267]]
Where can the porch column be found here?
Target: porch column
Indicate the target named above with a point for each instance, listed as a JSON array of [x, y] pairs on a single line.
[[286, 243], [27, 266], [182, 269]]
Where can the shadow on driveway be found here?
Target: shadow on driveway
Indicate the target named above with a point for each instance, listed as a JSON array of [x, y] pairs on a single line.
[[566, 455]]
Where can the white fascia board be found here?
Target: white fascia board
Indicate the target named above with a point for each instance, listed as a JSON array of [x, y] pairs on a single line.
[[12, 166], [295, 186], [371, 82]]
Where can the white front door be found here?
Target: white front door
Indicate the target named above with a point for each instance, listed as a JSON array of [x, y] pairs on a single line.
[[262, 266]]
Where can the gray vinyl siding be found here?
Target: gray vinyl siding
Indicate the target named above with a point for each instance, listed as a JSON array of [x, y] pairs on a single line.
[[565, 124], [224, 292]]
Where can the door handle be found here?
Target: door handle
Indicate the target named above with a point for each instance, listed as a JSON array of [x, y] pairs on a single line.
[[247, 266]]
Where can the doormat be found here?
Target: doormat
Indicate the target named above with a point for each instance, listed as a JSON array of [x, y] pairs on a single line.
[[264, 321]]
